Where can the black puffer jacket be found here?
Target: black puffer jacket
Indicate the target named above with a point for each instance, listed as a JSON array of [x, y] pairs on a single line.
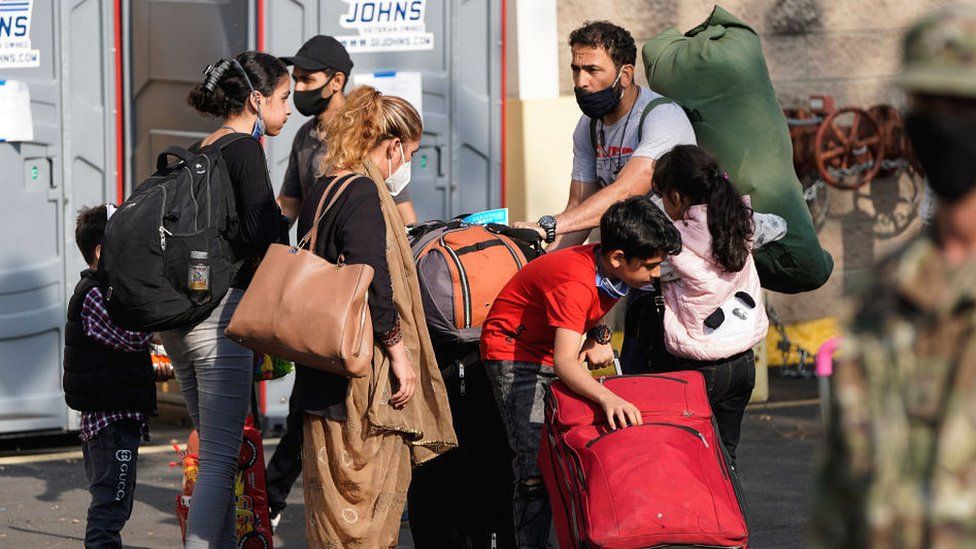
[[98, 378]]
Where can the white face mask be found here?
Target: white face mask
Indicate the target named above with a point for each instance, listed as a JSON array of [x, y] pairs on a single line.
[[400, 178]]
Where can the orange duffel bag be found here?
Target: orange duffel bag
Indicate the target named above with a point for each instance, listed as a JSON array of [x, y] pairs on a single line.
[[461, 269]]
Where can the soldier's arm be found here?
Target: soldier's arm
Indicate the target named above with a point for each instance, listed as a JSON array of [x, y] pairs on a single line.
[[839, 502]]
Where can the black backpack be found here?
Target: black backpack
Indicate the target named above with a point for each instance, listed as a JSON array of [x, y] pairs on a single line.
[[186, 206]]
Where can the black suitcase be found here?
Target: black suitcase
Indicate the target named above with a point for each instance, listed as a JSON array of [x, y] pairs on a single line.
[[463, 498]]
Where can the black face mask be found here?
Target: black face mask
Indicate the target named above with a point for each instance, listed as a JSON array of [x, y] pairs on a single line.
[[311, 102], [601, 103], [946, 148]]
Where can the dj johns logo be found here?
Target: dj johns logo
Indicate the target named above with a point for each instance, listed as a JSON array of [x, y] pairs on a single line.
[[386, 25], [371, 13], [15, 44]]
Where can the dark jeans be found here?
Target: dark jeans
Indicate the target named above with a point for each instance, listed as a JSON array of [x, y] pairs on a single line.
[[729, 384], [286, 464], [110, 463], [520, 389]]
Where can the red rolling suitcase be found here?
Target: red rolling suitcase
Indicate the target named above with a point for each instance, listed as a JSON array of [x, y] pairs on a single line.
[[666, 482]]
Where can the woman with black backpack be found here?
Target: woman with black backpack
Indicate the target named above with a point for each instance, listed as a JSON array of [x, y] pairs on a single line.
[[249, 93]]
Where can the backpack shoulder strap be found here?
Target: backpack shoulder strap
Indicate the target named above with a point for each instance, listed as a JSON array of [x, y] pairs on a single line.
[[218, 147], [593, 133], [222, 142], [647, 110]]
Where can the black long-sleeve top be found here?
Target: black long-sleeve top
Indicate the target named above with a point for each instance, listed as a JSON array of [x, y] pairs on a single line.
[[260, 222], [355, 228]]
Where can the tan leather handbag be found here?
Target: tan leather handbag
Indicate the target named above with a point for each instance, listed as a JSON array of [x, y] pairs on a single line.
[[302, 308]]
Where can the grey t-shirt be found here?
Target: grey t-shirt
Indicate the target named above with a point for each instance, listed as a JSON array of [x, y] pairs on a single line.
[[666, 125], [306, 153]]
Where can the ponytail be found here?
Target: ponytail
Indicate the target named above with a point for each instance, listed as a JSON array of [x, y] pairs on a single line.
[[730, 224], [365, 120], [694, 173]]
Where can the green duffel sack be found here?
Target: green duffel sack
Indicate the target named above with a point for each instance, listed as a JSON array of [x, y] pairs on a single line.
[[716, 71]]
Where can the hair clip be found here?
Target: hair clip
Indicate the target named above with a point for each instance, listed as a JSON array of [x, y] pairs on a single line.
[[725, 176], [213, 73]]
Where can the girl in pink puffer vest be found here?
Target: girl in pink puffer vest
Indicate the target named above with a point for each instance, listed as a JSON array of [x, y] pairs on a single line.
[[713, 310]]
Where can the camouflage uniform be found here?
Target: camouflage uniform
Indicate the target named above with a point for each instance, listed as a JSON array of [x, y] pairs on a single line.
[[900, 468], [900, 464]]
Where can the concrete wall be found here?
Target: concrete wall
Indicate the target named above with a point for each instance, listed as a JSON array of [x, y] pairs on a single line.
[[845, 48]]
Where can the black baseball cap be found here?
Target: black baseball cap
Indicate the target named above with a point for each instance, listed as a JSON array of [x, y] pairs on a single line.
[[319, 53]]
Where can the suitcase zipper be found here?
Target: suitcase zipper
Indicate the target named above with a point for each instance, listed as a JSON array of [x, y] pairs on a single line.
[[574, 507], [733, 476], [654, 423], [658, 376], [559, 464], [461, 375], [465, 290]]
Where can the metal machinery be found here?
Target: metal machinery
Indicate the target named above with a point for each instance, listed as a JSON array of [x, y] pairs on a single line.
[[846, 148]]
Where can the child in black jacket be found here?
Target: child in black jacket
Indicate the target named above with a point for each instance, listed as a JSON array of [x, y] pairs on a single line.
[[108, 377]]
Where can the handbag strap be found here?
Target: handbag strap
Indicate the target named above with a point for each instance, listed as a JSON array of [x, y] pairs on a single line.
[[312, 235]]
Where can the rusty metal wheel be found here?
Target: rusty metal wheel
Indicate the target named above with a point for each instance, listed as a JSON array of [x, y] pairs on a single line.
[[898, 148], [848, 148]]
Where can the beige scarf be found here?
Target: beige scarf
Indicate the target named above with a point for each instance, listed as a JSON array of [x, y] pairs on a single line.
[[426, 419], [357, 471]]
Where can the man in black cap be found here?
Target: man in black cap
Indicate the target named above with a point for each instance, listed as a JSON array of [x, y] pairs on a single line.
[[321, 71], [322, 68]]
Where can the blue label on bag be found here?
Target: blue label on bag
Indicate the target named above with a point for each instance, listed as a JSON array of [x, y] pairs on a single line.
[[488, 216]]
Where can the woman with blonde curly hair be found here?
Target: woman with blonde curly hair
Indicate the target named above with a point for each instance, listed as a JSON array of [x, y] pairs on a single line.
[[363, 435]]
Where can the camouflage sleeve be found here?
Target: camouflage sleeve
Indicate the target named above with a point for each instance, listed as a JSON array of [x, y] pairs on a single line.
[[840, 486]]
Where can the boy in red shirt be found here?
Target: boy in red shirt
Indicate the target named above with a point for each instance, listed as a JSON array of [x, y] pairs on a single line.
[[535, 332]]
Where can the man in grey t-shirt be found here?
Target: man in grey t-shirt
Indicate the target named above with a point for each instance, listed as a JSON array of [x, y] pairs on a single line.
[[322, 68], [616, 142]]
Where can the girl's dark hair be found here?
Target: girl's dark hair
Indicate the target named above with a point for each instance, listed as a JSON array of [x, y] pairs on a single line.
[[639, 229], [693, 173], [224, 89]]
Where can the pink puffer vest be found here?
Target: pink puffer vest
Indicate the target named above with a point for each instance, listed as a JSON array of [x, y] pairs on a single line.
[[709, 313]]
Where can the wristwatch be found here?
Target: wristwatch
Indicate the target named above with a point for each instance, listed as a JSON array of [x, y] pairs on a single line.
[[600, 334], [548, 223]]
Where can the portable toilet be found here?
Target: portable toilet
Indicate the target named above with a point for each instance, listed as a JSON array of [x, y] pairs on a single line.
[[107, 85]]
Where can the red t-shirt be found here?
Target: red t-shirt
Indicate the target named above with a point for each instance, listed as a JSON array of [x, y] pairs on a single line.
[[557, 290]]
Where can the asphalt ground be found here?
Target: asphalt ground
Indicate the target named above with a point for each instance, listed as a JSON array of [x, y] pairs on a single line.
[[44, 500]]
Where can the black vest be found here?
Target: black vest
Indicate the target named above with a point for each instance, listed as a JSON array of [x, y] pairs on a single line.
[[98, 378]]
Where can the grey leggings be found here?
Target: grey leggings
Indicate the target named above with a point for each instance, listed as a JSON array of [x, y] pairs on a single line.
[[215, 377]]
